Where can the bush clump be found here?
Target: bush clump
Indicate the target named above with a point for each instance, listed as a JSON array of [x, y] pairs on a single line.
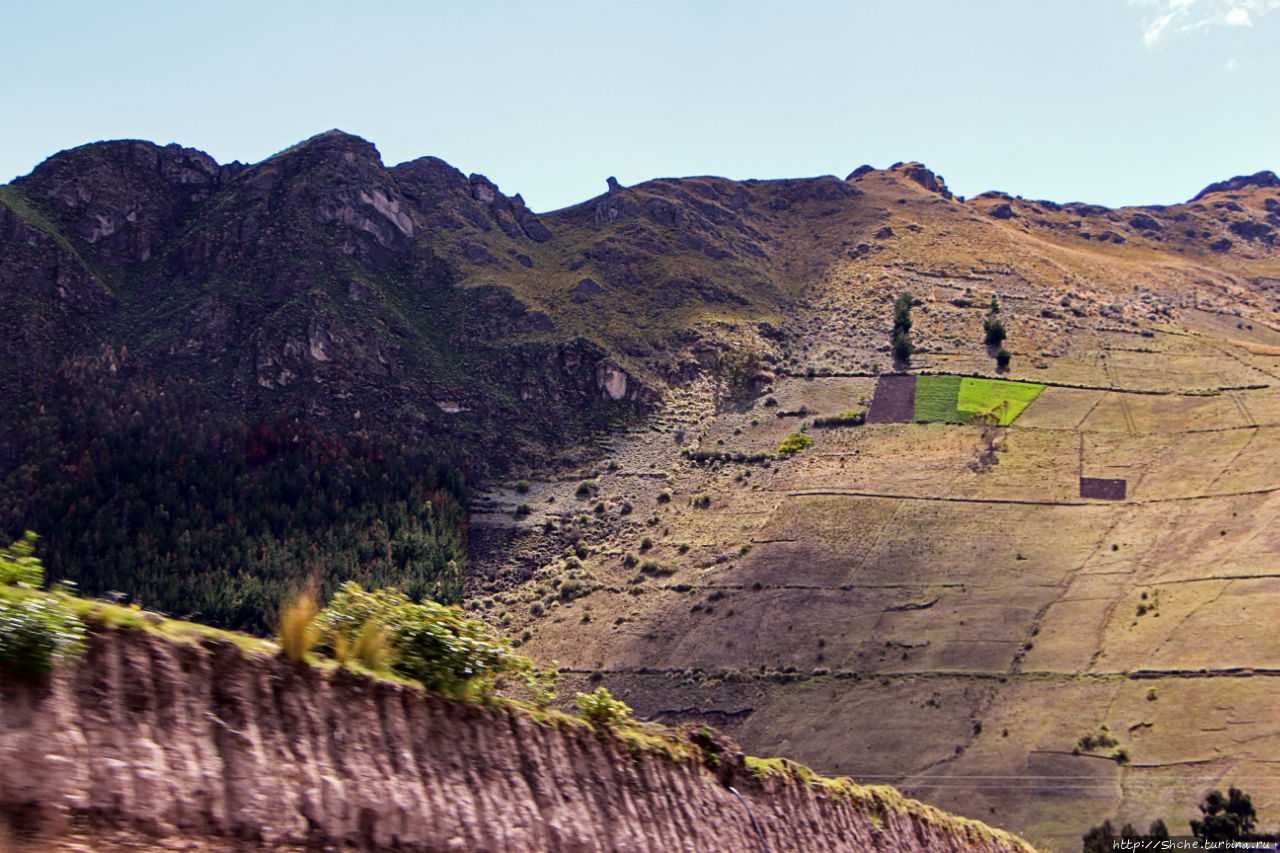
[[847, 418], [19, 566], [657, 568], [37, 632], [601, 710], [794, 443], [444, 650], [37, 629], [428, 642]]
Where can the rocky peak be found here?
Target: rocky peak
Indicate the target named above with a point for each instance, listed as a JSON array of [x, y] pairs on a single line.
[[124, 196], [510, 213], [920, 174], [334, 145], [1263, 179], [483, 190]]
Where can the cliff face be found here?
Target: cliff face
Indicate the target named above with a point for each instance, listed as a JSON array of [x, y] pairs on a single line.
[[149, 740]]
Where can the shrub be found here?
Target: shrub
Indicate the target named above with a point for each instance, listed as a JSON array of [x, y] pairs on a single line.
[[18, 564], [657, 568], [702, 501], [444, 650], [794, 443], [739, 370], [372, 646], [601, 710], [646, 543], [1102, 740], [522, 510], [522, 486], [630, 560], [37, 632], [429, 642], [571, 589], [351, 608], [847, 418], [585, 489], [664, 496]]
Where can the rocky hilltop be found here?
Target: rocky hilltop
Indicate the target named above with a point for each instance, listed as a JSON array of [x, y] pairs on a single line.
[[148, 745]]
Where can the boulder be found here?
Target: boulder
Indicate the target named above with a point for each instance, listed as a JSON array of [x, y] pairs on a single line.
[[1251, 230], [1144, 222], [587, 287]]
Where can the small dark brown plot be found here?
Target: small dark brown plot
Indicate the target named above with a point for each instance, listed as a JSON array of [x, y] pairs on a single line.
[[894, 400], [1098, 487]]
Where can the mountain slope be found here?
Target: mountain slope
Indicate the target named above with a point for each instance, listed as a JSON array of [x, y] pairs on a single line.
[[944, 605], [940, 606]]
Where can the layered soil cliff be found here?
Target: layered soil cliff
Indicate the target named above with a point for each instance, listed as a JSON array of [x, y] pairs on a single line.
[[148, 744]]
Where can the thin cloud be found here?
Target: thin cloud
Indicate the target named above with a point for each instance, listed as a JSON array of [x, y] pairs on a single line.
[[1174, 17]]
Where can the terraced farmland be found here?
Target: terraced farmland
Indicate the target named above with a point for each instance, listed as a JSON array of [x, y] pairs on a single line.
[[952, 399], [932, 599]]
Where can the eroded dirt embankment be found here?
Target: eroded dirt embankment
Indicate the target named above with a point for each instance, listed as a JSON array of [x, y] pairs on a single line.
[[146, 739]]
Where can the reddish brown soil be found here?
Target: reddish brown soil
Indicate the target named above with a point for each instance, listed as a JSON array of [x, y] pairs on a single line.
[[1103, 488], [894, 400]]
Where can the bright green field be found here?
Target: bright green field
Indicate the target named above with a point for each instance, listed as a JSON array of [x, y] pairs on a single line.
[[956, 400], [996, 397], [936, 398]]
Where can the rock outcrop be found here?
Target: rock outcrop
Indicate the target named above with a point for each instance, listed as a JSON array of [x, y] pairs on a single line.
[[1264, 179], [163, 740]]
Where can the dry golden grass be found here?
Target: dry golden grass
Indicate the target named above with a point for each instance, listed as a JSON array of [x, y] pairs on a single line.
[[298, 632]]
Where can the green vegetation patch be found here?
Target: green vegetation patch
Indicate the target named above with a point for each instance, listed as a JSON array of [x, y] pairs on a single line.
[[794, 443], [937, 398], [998, 401], [963, 399]]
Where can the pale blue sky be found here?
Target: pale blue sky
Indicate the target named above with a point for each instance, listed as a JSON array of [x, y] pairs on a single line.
[[1108, 101]]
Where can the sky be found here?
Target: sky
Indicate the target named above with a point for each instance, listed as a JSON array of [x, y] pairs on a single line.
[[1113, 102]]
